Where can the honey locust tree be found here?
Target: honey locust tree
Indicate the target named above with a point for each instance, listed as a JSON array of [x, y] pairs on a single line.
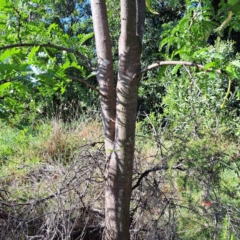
[[118, 101], [118, 105]]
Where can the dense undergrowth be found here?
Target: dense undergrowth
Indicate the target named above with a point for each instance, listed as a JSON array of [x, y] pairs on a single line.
[[185, 183]]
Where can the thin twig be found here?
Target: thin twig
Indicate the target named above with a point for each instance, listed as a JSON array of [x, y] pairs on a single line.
[[156, 168], [192, 78], [87, 84], [157, 139]]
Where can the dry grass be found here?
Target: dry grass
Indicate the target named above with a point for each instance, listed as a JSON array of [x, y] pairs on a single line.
[[63, 141], [56, 201], [61, 197]]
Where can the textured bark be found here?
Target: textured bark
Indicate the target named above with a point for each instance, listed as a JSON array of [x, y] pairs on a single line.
[[119, 181], [105, 75], [121, 139]]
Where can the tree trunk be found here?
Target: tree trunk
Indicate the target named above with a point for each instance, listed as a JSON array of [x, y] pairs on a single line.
[[120, 149], [105, 75]]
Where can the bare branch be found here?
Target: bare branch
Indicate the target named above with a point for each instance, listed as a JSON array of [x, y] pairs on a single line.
[[156, 168], [192, 78], [87, 84], [2, 81], [173, 63], [49, 45]]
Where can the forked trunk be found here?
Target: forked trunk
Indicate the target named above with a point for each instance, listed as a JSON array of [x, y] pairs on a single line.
[[120, 149]]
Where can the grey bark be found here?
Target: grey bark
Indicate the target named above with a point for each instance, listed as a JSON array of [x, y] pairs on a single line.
[[105, 75], [119, 131]]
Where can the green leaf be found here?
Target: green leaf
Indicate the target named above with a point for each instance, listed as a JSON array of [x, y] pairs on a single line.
[[3, 3], [209, 65], [218, 56], [231, 72], [175, 69], [233, 2], [84, 37], [165, 41], [5, 86], [161, 72], [236, 63], [66, 65], [51, 27], [8, 53], [32, 53], [238, 95], [212, 75], [11, 68]]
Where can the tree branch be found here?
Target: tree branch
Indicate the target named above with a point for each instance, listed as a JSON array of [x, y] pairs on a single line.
[[87, 84], [183, 63], [156, 168], [2, 81], [49, 45]]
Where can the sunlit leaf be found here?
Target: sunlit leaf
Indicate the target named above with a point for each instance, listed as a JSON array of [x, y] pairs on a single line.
[[210, 65], [236, 63], [231, 72], [3, 3], [175, 69], [52, 27], [84, 37], [4, 86], [32, 53], [8, 53]]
